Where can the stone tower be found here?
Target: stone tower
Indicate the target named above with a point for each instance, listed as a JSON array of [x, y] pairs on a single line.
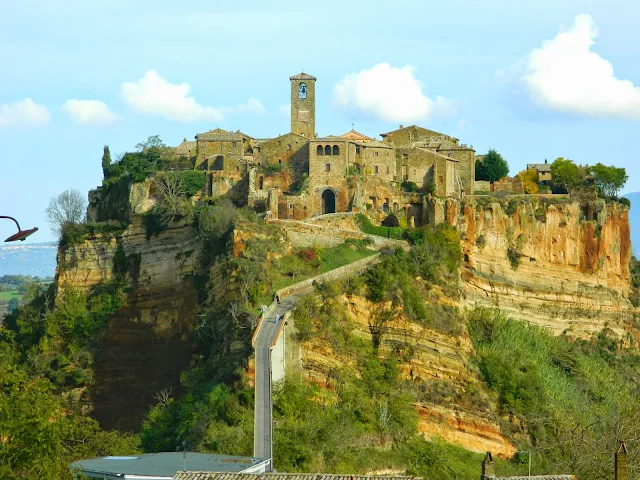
[[303, 105]]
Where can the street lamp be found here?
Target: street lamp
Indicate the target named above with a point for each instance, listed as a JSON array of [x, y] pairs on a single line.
[[22, 234]]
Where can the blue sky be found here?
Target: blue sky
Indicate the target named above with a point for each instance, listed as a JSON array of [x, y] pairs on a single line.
[[478, 70]]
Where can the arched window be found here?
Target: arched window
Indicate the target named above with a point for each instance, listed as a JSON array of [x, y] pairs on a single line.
[[319, 150], [336, 150], [327, 150]]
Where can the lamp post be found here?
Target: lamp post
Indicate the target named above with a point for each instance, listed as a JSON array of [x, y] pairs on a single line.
[[22, 234]]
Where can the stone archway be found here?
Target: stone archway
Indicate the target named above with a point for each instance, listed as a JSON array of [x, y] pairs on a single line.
[[328, 201]]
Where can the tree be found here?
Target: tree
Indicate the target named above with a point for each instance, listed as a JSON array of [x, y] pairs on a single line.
[[106, 161], [566, 173], [68, 208], [529, 179], [609, 179], [153, 141], [493, 168]]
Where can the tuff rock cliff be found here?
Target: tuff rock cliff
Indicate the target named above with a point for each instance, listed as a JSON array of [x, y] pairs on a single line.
[[560, 264]]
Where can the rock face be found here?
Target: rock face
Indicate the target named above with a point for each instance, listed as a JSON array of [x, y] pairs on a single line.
[[561, 265], [148, 343], [437, 361]]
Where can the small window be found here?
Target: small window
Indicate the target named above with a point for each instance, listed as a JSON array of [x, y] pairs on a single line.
[[202, 144], [440, 179], [327, 167], [375, 169], [291, 206], [375, 154], [279, 160], [357, 148], [289, 147], [234, 144], [387, 170], [405, 156], [336, 150], [327, 150], [319, 150], [260, 183]]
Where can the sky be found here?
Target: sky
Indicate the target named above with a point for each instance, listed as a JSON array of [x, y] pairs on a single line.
[[535, 80]]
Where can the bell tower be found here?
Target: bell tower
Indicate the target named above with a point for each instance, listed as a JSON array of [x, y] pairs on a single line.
[[303, 105]]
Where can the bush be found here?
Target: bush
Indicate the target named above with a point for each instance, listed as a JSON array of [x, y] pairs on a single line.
[[407, 186], [514, 257]]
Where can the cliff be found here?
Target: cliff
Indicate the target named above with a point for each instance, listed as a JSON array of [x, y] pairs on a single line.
[[452, 402], [147, 344], [558, 263]]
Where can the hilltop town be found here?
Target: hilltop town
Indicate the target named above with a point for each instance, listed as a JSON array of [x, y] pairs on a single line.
[[299, 174]]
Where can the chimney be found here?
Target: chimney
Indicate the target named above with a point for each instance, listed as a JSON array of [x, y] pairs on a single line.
[[487, 466], [621, 462]]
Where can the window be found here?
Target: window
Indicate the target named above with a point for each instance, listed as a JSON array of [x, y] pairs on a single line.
[[260, 183], [289, 147], [375, 169], [202, 144], [279, 160], [440, 179], [291, 206], [302, 90], [387, 170], [327, 167], [327, 150], [357, 149], [336, 150], [233, 144], [319, 150], [375, 154], [405, 156]]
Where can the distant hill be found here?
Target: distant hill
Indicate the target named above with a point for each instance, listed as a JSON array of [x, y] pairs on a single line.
[[35, 259], [634, 221]]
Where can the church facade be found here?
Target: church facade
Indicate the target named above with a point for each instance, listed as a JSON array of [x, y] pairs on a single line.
[[300, 174]]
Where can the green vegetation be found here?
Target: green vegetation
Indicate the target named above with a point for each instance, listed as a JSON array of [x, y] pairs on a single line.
[[46, 352], [566, 174], [136, 166], [73, 234], [366, 226], [407, 186], [492, 167], [574, 399]]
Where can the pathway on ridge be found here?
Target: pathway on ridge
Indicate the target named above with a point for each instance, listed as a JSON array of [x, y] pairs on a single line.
[[263, 432]]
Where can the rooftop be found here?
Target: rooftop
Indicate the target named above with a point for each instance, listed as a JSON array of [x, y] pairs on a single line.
[[282, 476], [353, 135], [219, 135], [541, 167], [303, 76], [161, 465]]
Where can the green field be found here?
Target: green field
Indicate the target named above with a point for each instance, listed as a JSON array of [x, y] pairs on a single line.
[[6, 296]]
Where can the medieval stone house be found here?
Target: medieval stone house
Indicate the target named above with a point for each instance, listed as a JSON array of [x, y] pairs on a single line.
[[299, 174]]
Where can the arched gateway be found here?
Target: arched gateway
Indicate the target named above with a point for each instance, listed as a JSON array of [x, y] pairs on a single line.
[[328, 201]]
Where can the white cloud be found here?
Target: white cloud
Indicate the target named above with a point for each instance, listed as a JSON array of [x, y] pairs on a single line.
[[564, 75], [253, 106], [387, 93], [90, 112], [23, 113], [285, 110], [153, 95]]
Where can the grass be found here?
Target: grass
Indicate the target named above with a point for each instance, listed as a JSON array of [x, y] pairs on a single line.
[[330, 259], [6, 296]]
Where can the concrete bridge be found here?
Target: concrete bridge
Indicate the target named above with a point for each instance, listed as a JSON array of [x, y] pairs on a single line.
[[269, 344]]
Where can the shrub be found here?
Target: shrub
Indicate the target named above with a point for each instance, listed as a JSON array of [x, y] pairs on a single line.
[[481, 241], [407, 186], [514, 257], [541, 214]]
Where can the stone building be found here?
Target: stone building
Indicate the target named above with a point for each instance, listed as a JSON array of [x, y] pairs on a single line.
[[300, 174], [543, 170]]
